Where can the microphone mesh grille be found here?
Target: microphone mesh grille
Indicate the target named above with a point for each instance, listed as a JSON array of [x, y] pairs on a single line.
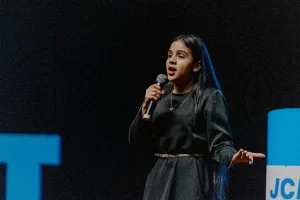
[[161, 78]]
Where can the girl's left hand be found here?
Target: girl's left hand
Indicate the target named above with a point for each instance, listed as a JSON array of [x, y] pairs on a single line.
[[244, 156]]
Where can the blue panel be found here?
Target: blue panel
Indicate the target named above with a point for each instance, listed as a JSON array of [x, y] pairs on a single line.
[[283, 146], [23, 155]]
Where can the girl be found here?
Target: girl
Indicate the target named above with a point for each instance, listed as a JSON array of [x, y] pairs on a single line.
[[189, 128]]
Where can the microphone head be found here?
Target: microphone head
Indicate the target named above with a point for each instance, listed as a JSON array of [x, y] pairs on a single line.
[[162, 79]]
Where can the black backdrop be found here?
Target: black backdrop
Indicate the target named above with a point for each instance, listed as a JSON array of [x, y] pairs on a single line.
[[80, 69]]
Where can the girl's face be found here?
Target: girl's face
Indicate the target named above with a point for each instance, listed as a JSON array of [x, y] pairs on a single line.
[[180, 64]]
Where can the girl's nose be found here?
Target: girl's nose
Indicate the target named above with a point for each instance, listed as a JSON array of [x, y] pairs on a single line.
[[172, 61]]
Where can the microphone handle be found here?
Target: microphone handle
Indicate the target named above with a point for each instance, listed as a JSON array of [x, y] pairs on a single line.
[[150, 109]]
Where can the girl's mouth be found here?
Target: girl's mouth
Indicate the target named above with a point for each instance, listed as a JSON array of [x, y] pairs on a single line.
[[171, 70]]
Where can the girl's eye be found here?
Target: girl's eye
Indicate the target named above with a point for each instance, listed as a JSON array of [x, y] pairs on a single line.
[[180, 56]]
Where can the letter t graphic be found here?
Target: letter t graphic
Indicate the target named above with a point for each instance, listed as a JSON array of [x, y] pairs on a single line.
[[24, 154]]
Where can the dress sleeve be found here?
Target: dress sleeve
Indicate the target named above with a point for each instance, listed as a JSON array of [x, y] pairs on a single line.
[[217, 127], [140, 130]]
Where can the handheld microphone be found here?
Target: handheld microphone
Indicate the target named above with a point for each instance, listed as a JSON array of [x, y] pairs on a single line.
[[161, 80]]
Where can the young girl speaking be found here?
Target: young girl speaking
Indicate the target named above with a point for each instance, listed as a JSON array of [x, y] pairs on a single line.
[[189, 128]]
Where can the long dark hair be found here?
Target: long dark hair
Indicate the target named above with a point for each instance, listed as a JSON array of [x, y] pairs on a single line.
[[206, 78]]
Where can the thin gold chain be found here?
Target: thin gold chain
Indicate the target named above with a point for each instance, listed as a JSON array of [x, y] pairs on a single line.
[[172, 107]]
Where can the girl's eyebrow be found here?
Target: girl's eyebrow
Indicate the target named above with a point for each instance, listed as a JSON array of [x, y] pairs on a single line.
[[181, 51], [178, 51]]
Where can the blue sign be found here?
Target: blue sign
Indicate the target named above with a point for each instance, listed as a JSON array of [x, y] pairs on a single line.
[[24, 155], [283, 159], [284, 137]]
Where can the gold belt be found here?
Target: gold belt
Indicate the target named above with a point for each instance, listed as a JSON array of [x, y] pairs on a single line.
[[164, 155]]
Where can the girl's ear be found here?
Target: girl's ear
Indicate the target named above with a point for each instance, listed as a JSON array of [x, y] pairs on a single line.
[[197, 66]]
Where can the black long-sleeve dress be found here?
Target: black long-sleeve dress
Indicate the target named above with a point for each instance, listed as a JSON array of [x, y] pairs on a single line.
[[185, 131]]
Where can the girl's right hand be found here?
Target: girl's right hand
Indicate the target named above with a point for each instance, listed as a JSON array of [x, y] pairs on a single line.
[[153, 92]]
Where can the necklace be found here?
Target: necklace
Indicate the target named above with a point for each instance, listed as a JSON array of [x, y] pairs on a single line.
[[172, 107]]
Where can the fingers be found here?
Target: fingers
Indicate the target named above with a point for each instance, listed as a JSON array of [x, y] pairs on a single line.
[[153, 92], [249, 156], [259, 155], [243, 153], [244, 156], [240, 153], [156, 86]]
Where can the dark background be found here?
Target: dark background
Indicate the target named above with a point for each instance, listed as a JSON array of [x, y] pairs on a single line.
[[80, 69]]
